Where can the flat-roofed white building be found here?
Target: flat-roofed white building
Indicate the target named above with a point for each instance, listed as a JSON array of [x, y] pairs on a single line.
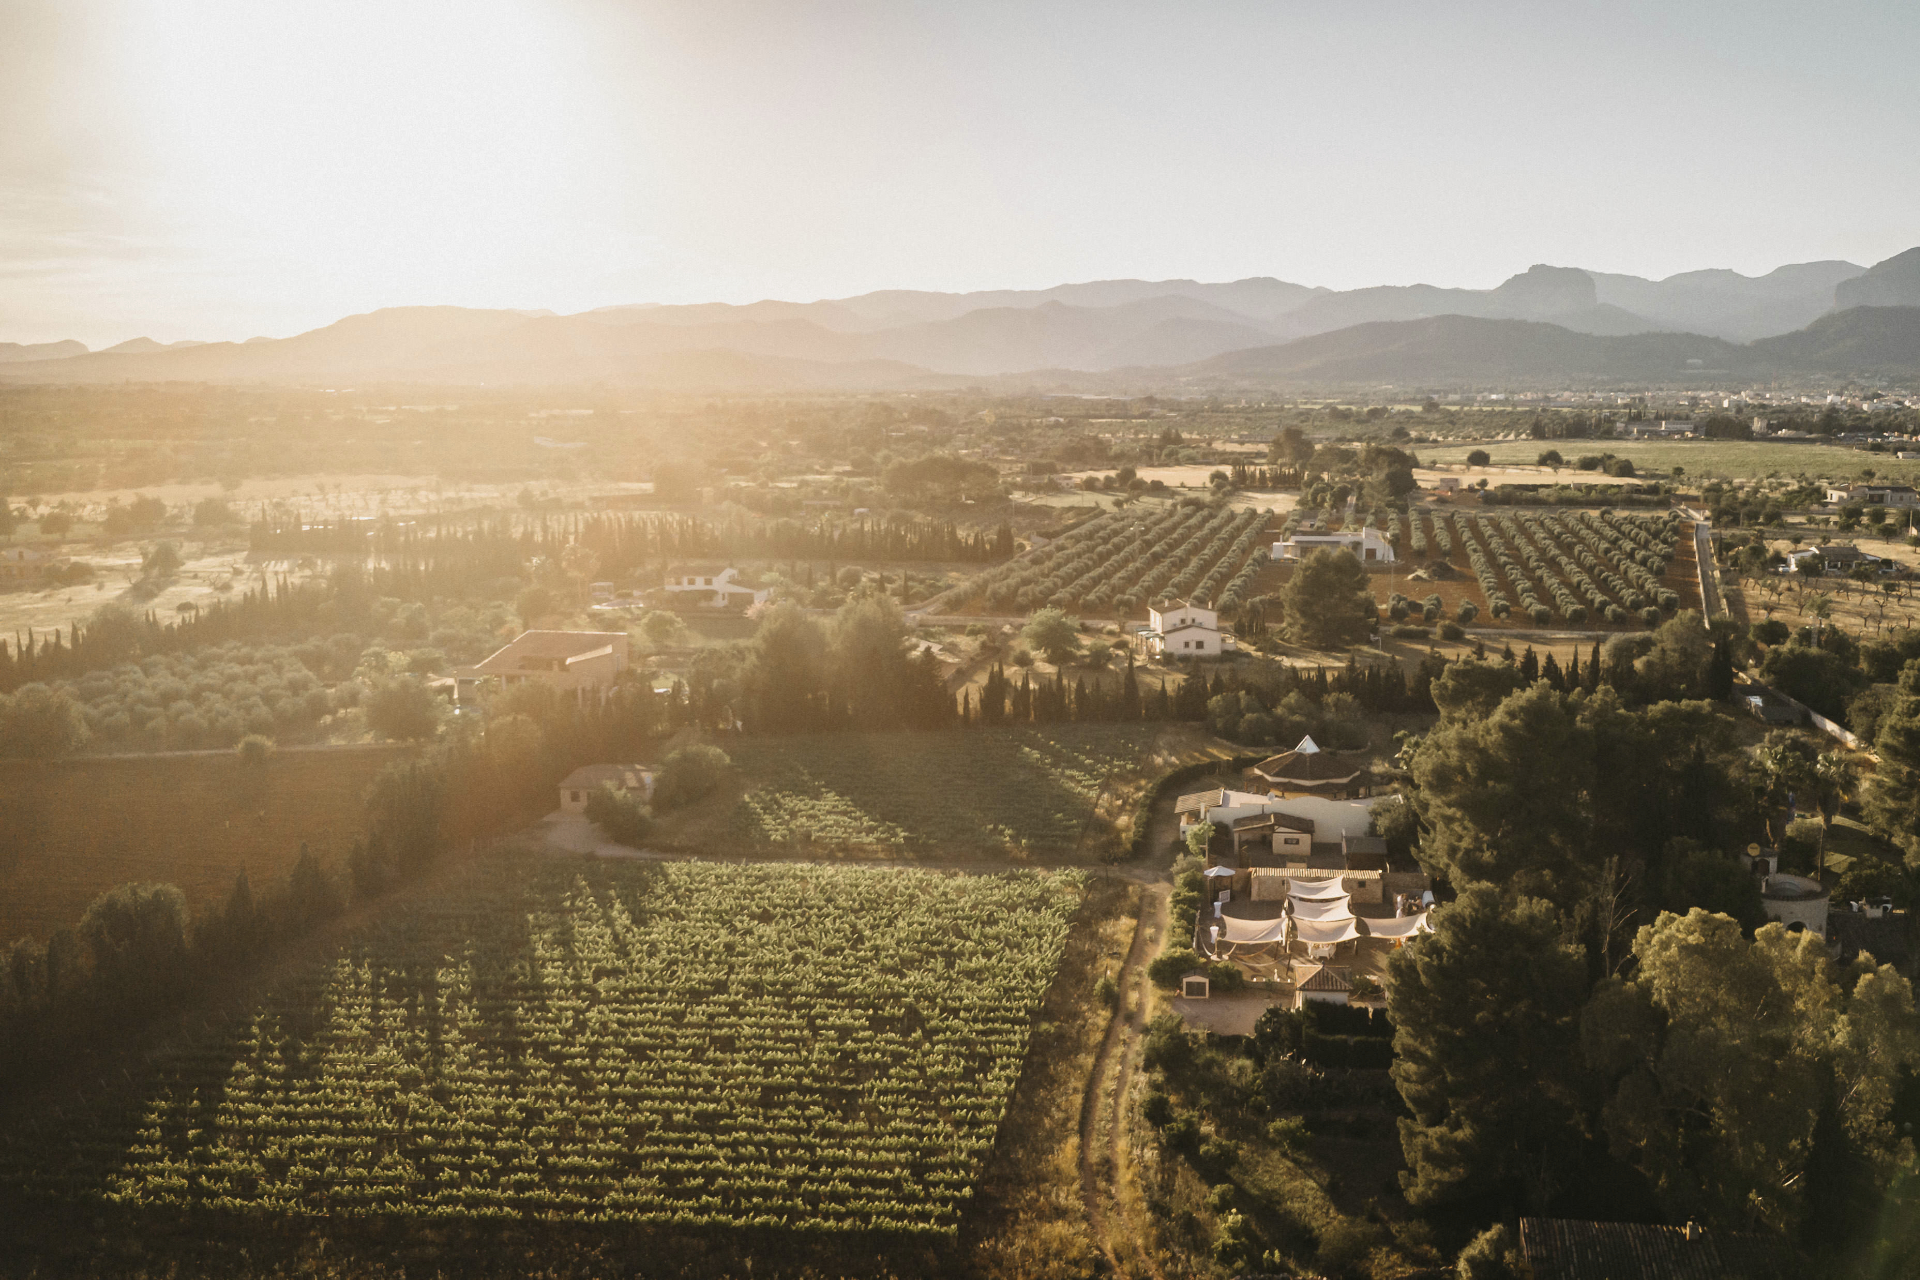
[[1367, 545]]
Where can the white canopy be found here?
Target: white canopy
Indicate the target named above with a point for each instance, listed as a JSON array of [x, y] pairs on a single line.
[[1322, 908], [1218, 871], [1316, 888], [1326, 931], [1399, 926], [1250, 932]]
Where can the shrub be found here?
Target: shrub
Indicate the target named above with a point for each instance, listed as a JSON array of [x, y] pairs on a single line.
[[620, 817], [254, 749], [1217, 1156], [1167, 968], [404, 709], [1156, 1108], [1344, 1247], [1410, 632], [1225, 976], [163, 561], [1491, 1256], [1166, 1047], [1289, 1133], [1540, 614], [691, 774], [1452, 631], [40, 723]]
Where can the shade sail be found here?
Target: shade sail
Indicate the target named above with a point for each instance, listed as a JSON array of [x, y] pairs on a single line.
[[1326, 930], [1399, 926], [1328, 888], [1322, 908], [1239, 929], [1219, 871]]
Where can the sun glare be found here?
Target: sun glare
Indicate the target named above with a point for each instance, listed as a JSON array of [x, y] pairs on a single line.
[[446, 147]]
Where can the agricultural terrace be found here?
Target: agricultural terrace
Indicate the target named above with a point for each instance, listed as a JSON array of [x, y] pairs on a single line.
[[1061, 790], [1118, 563], [1578, 568], [815, 1050]]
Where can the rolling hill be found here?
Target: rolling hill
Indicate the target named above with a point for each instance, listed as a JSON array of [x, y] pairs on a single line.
[[1542, 325]]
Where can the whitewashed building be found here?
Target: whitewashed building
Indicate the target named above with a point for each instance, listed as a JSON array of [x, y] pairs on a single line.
[[1183, 631], [722, 590], [1368, 545]]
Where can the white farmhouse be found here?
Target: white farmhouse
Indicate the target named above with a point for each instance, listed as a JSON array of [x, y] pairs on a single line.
[[722, 590], [634, 780], [1874, 495], [1183, 631], [1367, 544]]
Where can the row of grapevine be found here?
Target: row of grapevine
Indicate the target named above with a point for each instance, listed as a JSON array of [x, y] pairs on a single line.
[[820, 1050]]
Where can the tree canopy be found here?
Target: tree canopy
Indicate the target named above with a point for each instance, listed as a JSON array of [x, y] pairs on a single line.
[[1486, 1011], [940, 479], [1328, 601], [1722, 1055]]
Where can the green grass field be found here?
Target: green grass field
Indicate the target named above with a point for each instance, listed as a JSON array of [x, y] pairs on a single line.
[[1725, 459], [801, 1050], [962, 792]]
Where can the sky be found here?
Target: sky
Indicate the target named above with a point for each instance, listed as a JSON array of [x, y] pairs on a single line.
[[220, 169]]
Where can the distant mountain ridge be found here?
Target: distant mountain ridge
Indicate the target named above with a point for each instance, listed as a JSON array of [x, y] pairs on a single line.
[[1255, 328], [1470, 351]]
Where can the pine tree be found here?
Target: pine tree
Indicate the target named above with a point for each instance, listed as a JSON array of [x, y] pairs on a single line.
[[1529, 666]]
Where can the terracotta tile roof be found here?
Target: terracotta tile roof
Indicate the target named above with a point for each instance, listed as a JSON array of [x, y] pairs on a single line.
[[1327, 979], [1568, 1249], [1199, 800], [1319, 767]]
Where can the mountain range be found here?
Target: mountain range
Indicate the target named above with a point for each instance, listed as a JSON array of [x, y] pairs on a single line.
[[1546, 324]]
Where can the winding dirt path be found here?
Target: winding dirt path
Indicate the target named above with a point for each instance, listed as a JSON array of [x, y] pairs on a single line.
[[1102, 1127]]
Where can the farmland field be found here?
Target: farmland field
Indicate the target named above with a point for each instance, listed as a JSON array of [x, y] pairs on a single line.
[[962, 792], [1729, 459], [1526, 568], [800, 1049], [1116, 564], [72, 829]]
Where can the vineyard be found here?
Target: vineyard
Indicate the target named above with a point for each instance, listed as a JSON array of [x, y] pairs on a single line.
[[72, 829], [970, 792], [800, 1049], [1578, 567], [1120, 562]]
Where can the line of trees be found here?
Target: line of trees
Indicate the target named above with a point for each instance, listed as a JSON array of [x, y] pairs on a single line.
[[630, 542]]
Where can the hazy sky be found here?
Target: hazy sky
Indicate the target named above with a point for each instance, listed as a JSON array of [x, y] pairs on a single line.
[[194, 169]]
